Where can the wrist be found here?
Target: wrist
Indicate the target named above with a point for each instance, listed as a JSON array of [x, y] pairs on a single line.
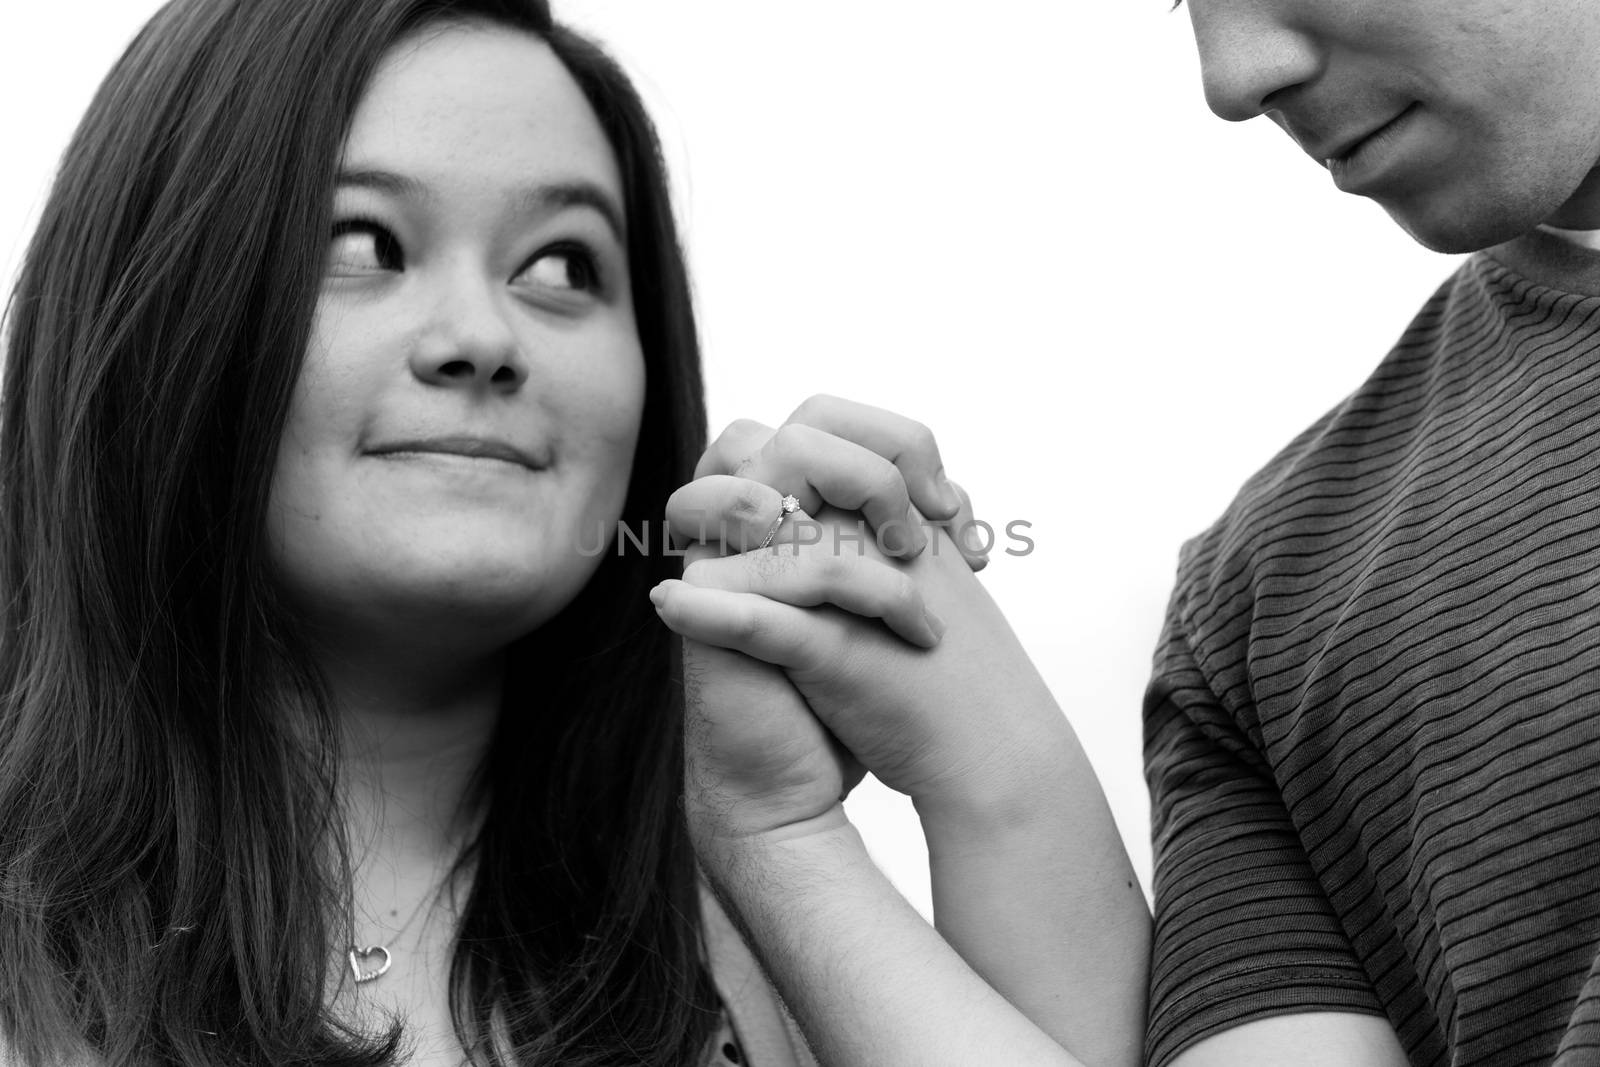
[[752, 873], [729, 802], [1024, 792], [727, 837]]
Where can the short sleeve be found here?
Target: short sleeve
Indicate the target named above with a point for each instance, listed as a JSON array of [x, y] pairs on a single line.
[[1243, 928]]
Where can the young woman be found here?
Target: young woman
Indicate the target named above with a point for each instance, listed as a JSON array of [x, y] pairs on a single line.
[[326, 737], [342, 320]]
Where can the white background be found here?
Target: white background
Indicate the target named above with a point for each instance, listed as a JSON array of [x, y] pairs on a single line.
[[1017, 223]]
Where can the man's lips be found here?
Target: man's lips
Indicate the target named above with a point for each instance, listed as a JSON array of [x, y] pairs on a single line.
[[463, 445], [1329, 150]]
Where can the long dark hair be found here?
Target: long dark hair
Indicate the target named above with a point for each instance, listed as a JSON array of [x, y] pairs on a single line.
[[168, 890]]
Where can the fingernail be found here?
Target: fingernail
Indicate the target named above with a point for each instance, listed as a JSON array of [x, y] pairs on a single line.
[[902, 537], [973, 541], [657, 595], [936, 624], [919, 539], [950, 496]]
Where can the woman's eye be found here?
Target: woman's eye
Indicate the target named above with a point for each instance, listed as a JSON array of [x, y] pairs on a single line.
[[360, 246], [563, 269]]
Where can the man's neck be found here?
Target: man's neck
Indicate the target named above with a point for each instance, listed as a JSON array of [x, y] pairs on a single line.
[[1582, 209]]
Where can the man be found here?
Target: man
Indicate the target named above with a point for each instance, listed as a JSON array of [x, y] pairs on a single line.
[[1369, 740], [1371, 736]]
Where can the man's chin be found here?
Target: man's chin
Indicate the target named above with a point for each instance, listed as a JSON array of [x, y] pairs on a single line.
[[1461, 224], [1449, 236]]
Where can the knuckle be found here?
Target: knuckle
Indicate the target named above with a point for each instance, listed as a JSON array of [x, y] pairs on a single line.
[[898, 591], [773, 566], [813, 405], [733, 447], [835, 568], [739, 429], [713, 460], [918, 435], [749, 504], [748, 625], [886, 483], [789, 436], [902, 590], [919, 438]]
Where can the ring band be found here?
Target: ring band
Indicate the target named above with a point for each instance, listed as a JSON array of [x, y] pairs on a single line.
[[786, 507]]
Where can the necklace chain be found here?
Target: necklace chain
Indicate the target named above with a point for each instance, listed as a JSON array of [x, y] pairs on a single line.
[[358, 955]]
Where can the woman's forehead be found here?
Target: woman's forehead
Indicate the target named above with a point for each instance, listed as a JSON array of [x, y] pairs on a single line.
[[478, 107]]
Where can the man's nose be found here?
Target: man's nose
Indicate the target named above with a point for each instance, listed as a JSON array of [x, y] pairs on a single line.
[[1249, 54]]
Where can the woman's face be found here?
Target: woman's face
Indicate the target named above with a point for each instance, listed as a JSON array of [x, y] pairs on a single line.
[[469, 403]]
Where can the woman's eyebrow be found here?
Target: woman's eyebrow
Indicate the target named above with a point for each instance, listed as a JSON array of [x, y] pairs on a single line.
[[544, 197], [532, 199], [384, 181]]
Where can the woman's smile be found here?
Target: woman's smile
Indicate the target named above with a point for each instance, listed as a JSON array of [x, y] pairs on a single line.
[[464, 447]]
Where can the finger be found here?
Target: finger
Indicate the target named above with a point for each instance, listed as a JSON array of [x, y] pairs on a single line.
[[735, 515], [733, 447], [780, 634], [719, 509], [851, 581], [972, 537], [906, 443], [819, 468]]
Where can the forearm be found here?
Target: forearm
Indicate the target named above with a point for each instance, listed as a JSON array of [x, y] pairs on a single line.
[[869, 981], [1032, 886]]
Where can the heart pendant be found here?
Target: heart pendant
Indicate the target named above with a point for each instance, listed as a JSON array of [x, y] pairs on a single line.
[[359, 957]]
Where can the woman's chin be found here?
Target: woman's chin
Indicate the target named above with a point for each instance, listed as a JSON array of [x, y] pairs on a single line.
[[468, 608]]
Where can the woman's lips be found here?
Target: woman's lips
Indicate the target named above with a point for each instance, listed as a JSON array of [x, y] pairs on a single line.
[[470, 446]]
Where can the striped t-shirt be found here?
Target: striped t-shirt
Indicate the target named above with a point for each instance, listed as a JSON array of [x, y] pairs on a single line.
[[1373, 732]]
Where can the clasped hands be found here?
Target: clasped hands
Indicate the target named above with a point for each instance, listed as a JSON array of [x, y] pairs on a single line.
[[858, 640]]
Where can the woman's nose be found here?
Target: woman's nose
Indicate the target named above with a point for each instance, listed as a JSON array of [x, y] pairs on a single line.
[[469, 340], [1249, 53]]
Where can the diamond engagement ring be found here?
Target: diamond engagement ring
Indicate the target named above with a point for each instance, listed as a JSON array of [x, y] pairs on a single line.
[[786, 507]]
